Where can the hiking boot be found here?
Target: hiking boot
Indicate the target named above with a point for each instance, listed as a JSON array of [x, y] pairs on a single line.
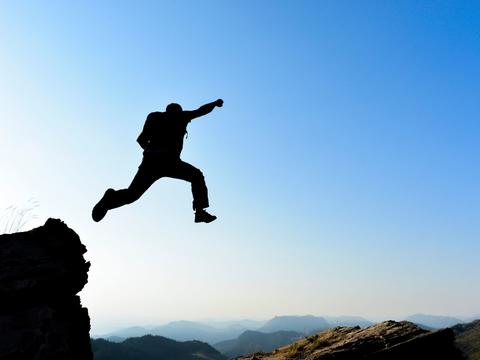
[[100, 210], [203, 216]]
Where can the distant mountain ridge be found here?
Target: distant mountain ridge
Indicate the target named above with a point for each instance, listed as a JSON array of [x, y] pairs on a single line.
[[214, 332], [335, 321], [249, 342], [301, 324], [151, 347], [256, 341], [433, 321], [133, 331], [181, 331]]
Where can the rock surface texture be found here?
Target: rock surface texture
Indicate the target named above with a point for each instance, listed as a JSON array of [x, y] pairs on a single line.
[[468, 339], [41, 317], [387, 340]]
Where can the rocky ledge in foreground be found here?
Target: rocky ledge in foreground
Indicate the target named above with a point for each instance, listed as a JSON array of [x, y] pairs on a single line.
[[41, 317], [387, 340]]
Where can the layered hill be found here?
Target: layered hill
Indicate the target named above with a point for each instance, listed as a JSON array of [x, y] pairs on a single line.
[[254, 341], [214, 332], [151, 347], [388, 340], [41, 317], [433, 321], [181, 331], [303, 324]]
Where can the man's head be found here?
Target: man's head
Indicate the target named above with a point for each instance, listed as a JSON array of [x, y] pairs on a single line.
[[173, 108]]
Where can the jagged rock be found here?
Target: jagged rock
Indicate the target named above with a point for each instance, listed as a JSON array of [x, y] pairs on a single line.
[[388, 340], [41, 317], [467, 338]]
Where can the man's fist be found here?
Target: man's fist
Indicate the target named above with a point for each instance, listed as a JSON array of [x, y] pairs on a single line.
[[219, 103]]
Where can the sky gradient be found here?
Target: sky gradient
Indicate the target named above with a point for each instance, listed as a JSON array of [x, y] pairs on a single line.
[[343, 166]]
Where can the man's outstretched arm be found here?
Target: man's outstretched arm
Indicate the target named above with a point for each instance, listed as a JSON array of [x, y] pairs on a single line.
[[204, 109]]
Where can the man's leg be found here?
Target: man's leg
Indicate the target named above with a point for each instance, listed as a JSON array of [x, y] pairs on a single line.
[[184, 171], [140, 183], [114, 199]]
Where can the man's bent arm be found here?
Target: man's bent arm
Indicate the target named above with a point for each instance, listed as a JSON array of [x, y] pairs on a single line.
[[204, 109], [143, 139]]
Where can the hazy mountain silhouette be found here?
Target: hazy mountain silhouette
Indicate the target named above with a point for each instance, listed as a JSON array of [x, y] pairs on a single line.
[[233, 324], [184, 331], [302, 324], [150, 347], [188, 330], [433, 321], [213, 332], [468, 339], [471, 318], [334, 321], [255, 341], [133, 331], [387, 340], [115, 339]]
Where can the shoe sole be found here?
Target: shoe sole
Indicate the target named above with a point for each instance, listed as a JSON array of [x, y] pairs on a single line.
[[205, 221]]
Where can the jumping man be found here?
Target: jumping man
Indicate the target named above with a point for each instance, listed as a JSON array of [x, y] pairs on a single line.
[[162, 142]]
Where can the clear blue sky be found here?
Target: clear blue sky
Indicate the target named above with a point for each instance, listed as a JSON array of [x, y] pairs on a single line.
[[343, 166]]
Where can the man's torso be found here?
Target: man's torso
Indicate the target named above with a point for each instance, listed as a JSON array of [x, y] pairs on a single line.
[[165, 133]]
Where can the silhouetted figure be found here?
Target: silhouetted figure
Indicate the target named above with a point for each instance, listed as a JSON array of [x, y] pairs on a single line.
[[162, 141]]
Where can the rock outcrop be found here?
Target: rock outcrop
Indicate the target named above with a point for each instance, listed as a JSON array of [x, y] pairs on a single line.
[[41, 317], [467, 338], [388, 340]]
